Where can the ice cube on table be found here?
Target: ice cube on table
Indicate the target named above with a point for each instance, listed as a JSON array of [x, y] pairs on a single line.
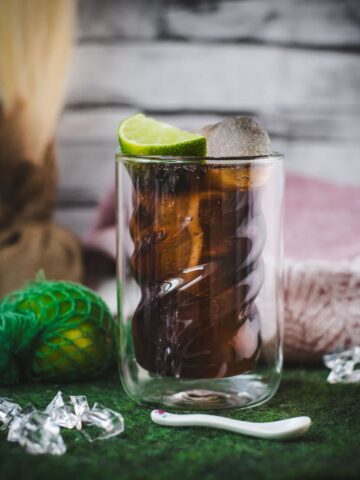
[[35, 431], [237, 137], [62, 414], [8, 410], [64, 417], [56, 402], [102, 423], [80, 406], [38, 434], [344, 365], [39, 431], [17, 424]]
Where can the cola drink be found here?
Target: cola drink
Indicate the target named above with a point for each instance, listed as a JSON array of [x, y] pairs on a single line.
[[198, 233]]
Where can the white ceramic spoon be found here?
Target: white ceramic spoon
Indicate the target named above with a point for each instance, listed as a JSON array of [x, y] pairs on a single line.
[[279, 430]]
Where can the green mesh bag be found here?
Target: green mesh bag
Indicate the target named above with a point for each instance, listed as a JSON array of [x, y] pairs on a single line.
[[54, 331]]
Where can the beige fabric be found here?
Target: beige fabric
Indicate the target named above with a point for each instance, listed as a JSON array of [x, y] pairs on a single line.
[[29, 241], [26, 249], [27, 189], [322, 308]]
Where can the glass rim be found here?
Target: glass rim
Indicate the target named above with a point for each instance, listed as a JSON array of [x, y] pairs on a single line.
[[119, 156]]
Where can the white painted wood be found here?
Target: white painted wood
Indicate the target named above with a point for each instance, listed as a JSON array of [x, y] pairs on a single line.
[[333, 161], [170, 76], [87, 143], [93, 175], [118, 18], [78, 220], [86, 169], [96, 125], [327, 22], [99, 125], [297, 71], [319, 23], [339, 163]]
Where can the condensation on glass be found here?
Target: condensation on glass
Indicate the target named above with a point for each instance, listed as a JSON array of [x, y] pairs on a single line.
[[200, 290]]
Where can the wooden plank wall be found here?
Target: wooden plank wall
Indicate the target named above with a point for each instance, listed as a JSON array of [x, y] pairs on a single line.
[[292, 64]]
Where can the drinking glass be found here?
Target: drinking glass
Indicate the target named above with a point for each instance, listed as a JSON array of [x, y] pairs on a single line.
[[200, 289]]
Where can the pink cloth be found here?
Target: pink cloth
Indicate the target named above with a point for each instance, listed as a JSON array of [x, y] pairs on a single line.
[[103, 234], [322, 266], [322, 220]]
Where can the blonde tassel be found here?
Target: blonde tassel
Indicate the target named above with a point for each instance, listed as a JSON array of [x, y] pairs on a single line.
[[36, 38]]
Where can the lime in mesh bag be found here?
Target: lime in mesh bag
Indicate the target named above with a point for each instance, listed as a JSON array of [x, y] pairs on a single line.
[[54, 331]]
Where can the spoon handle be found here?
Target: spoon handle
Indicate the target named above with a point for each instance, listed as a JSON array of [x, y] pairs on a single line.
[[279, 430]]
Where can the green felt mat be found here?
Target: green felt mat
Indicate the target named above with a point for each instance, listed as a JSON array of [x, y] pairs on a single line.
[[331, 448]]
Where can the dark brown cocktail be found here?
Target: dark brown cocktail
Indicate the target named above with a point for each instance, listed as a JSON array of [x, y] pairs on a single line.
[[198, 234]]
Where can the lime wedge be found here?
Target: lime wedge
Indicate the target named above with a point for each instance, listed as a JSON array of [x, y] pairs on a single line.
[[141, 135]]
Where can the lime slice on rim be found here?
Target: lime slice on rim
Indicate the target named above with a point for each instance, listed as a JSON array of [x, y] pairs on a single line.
[[141, 135]]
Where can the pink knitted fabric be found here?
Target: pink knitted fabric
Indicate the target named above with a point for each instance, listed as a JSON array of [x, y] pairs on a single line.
[[322, 266]]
